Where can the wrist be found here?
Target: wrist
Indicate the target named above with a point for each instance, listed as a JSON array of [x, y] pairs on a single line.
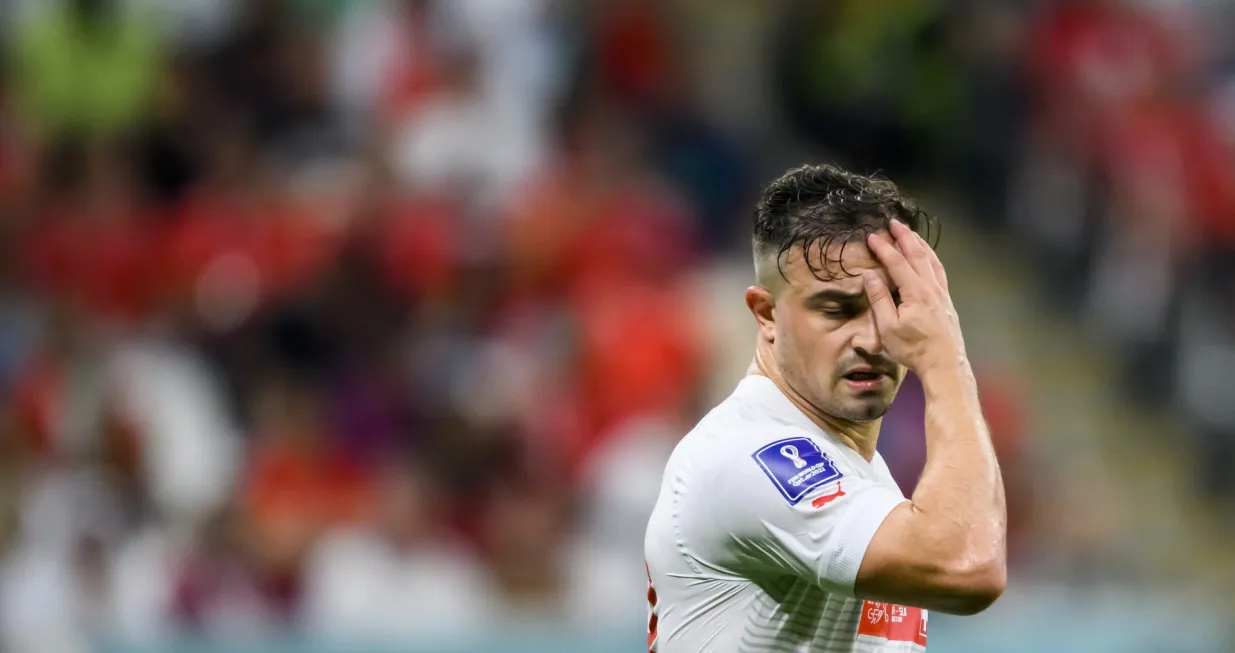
[[948, 375]]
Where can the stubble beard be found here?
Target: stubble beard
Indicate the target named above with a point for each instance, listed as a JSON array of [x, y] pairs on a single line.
[[843, 404], [850, 408], [865, 412]]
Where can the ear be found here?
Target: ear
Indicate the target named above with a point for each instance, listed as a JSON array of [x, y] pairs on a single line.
[[762, 304]]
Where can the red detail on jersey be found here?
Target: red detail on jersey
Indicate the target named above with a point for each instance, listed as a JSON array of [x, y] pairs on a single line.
[[896, 623], [828, 498], [652, 617]]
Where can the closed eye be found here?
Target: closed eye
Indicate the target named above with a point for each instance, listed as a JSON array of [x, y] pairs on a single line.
[[843, 310], [836, 304]]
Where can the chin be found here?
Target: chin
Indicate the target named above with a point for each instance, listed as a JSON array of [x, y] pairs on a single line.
[[875, 411], [863, 411]]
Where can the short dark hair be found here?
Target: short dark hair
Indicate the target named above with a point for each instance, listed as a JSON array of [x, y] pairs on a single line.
[[816, 205]]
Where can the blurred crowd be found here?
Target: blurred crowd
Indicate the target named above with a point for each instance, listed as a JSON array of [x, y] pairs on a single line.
[[326, 313], [1126, 184], [381, 316]]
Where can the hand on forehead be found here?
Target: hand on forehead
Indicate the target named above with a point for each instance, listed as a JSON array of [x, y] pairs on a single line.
[[839, 265]]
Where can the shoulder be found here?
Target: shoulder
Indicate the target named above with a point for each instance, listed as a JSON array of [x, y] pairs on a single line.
[[754, 463], [729, 494], [723, 438], [753, 448]]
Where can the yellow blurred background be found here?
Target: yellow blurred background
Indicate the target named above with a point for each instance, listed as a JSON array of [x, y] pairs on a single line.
[[336, 326]]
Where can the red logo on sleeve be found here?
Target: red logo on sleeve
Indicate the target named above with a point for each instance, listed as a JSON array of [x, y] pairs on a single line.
[[828, 498], [895, 623]]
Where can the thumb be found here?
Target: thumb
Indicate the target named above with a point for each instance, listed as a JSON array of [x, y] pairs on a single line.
[[880, 300]]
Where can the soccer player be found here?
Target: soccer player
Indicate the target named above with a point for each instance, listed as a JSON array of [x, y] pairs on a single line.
[[778, 526]]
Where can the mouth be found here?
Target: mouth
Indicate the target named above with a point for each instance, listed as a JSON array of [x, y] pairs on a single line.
[[863, 380]]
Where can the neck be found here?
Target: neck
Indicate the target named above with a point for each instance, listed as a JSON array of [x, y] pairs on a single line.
[[859, 436]]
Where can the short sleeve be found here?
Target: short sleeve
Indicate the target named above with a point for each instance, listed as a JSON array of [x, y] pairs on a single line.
[[795, 507]]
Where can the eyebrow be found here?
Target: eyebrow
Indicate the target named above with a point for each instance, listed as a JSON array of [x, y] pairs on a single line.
[[833, 295]]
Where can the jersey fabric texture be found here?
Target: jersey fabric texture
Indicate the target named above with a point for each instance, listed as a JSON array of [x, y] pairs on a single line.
[[758, 532]]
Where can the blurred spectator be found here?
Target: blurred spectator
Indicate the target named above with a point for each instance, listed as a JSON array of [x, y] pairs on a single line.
[[386, 57], [397, 575], [622, 481], [1093, 56], [84, 68], [226, 587], [56, 583], [298, 482], [876, 82], [65, 406], [459, 141], [238, 242], [169, 150], [12, 462], [308, 141], [1199, 377], [190, 25], [245, 72], [635, 51], [189, 441], [639, 355], [92, 243], [708, 165], [544, 577]]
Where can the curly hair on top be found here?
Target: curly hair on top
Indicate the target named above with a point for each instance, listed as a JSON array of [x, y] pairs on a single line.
[[814, 206]]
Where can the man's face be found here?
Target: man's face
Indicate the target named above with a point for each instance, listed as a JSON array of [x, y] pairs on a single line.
[[826, 345]]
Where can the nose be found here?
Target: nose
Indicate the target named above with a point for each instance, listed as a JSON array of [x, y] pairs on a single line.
[[866, 336]]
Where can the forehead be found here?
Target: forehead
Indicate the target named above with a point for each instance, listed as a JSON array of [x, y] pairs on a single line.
[[839, 266]]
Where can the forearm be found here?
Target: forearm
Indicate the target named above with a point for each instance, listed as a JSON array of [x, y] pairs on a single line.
[[960, 496]]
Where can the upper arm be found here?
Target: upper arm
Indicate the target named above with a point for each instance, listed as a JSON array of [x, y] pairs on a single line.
[[813, 521]]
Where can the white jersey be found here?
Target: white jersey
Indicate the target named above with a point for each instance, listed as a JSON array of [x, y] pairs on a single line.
[[758, 533]]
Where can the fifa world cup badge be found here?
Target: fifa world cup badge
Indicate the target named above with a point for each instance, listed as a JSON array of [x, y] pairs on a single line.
[[796, 466]]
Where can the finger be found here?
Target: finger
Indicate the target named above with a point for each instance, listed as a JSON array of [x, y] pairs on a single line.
[[914, 249], [941, 274], [936, 264], [903, 274], [880, 299]]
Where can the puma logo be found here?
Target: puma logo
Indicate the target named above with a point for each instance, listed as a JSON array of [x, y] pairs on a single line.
[[828, 498]]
